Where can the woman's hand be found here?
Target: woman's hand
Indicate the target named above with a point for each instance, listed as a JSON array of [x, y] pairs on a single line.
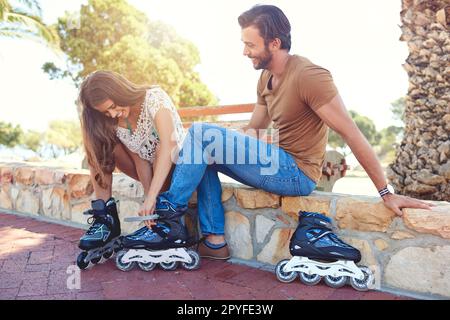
[[148, 208]]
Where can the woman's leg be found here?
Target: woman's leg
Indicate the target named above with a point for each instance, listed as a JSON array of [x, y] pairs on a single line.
[[99, 191], [124, 163]]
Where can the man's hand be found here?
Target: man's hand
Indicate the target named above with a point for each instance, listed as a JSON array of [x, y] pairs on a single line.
[[396, 202]]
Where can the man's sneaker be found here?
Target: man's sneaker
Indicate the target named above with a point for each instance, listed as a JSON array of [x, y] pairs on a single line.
[[205, 251]]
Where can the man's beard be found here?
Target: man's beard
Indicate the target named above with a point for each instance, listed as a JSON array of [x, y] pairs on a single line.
[[264, 59]]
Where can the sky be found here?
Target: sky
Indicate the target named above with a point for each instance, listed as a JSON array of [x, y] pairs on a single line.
[[356, 40]]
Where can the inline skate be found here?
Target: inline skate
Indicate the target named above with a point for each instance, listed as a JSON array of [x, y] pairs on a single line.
[[102, 239], [165, 244], [317, 252]]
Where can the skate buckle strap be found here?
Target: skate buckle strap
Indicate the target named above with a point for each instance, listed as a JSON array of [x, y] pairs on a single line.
[[141, 218], [325, 224]]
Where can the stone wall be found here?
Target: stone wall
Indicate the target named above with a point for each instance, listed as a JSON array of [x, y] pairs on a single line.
[[422, 165], [409, 253]]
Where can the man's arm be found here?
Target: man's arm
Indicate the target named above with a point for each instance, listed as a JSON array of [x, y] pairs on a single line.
[[335, 115], [260, 120]]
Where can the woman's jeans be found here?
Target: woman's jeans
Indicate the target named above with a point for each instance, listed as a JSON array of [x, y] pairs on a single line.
[[209, 149]]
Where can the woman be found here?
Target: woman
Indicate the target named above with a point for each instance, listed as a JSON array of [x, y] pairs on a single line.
[[136, 129]]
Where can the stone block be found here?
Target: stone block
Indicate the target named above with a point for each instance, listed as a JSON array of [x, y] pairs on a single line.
[[27, 202], [238, 236], [77, 212], [126, 187], [49, 176], [55, 203], [363, 214], [277, 248], [418, 269], [24, 175], [262, 227], [79, 185], [435, 221], [253, 199], [311, 203], [5, 197], [400, 235]]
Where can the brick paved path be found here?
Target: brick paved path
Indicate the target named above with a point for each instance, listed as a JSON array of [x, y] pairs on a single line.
[[35, 255]]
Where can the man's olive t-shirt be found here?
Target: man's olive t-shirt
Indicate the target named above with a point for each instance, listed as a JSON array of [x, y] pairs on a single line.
[[302, 89]]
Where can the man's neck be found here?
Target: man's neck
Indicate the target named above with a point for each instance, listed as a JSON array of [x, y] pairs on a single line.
[[278, 63]]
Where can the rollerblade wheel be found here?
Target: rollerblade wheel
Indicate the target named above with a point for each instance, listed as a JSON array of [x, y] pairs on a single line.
[[168, 266], [309, 279], [283, 276], [122, 265], [363, 284], [118, 245], [96, 260], [108, 254], [147, 266], [195, 263], [335, 282], [81, 263]]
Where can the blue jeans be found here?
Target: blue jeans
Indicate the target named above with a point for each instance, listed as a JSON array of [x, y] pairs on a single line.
[[209, 149]]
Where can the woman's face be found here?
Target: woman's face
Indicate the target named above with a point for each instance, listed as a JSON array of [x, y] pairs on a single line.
[[111, 110]]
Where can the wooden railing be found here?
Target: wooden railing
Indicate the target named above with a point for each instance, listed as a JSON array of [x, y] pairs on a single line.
[[190, 112]]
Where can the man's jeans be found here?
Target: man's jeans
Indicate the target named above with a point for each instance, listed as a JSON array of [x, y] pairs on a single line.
[[209, 149]]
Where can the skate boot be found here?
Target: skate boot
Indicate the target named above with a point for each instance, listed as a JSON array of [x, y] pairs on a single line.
[[166, 210], [317, 252], [102, 239], [166, 245]]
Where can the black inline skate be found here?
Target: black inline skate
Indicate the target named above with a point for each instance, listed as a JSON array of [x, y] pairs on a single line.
[[102, 239], [165, 244], [317, 252]]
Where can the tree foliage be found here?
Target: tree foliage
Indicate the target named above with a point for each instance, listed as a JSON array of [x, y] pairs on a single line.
[[388, 142], [398, 109], [64, 134], [367, 127], [33, 140], [10, 135], [113, 35], [23, 19]]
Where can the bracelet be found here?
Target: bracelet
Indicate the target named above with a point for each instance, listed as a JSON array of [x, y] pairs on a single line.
[[383, 192]]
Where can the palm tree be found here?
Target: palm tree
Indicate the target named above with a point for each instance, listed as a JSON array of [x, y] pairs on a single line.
[[25, 21], [422, 165]]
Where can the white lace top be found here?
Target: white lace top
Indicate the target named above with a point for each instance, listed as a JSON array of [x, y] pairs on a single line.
[[144, 140]]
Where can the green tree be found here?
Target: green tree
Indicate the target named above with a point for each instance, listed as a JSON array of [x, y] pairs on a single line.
[[23, 19], [64, 134], [33, 140], [398, 109], [113, 35], [10, 135], [389, 140], [364, 124]]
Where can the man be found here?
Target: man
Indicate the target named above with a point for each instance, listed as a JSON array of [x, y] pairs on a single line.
[[302, 101]]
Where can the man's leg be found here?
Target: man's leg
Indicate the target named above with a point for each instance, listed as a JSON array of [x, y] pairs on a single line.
[[205, 145], [243, 158], [209, 203]]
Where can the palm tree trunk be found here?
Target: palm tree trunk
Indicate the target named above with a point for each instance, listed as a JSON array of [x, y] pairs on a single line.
[[422, 165]]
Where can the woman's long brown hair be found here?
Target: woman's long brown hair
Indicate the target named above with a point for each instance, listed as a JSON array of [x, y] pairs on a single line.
[[99, 131]]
